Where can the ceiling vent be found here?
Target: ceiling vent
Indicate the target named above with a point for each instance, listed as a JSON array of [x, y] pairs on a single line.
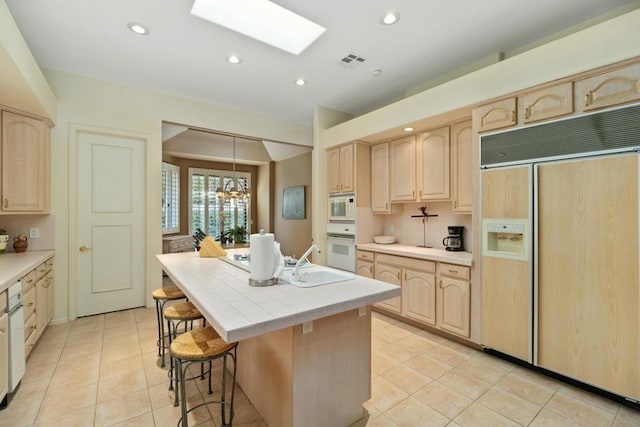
[[352, 60]]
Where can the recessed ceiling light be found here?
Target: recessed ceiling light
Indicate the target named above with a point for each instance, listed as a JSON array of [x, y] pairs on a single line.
[[138, 28], [261, 20], [376, 73], [301, 82], [408, 129], [233, 59], [389, 18]]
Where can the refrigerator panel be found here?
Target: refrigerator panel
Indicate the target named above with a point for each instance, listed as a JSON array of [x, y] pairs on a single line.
[[587, 272]]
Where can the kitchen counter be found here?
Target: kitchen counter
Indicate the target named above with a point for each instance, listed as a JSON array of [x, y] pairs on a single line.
[[301, 350], [433, 254], [13, 266]]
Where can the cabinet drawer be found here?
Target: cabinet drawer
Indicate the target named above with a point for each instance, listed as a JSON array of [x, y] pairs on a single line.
[[365, 255], [452, 270], [405, 262], [29, 302], [28, 281], [40, 271], [48, 265], [30, 327]]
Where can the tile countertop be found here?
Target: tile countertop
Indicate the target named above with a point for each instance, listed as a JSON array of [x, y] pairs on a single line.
[[433, 254], [13, 266], [238, 311]]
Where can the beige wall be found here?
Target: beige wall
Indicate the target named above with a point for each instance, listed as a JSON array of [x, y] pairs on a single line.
[[294, 235], [99, 104]]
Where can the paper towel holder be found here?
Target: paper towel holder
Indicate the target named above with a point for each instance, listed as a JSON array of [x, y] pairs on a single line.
[[262, 283]]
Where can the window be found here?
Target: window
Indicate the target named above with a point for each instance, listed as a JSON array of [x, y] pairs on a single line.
[[206, 211], [170, 198]]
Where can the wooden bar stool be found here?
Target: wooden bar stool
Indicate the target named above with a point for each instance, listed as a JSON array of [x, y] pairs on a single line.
[[177, 315], [199, 346], [161, 297]]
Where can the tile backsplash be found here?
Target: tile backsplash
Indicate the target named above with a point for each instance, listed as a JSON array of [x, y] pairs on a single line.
[[21, 224]]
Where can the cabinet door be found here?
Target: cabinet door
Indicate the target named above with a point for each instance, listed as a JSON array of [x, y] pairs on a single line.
[[25, 164], [454, 306], [612, 88], [380, 178], [50, 296], [433, 154], [346, 169], [4, 355], [553, 101], [588, 296], [402, 161], [462, 175], [419, 296], [389, 274], [333, 170], [364, 268], [41, 306], [497, 115]]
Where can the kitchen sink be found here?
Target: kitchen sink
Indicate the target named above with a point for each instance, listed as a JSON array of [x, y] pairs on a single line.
[[315, 276]]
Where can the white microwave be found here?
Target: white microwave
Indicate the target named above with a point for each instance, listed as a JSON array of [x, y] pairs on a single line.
[[342, 207]]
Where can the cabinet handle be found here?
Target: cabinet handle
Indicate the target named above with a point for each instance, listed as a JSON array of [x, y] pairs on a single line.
[[587, 101], [83, 248], [2, 331], [398, 275], [6, 202], [527, 112], [453, 271], [413, 194], [30, 304], [30, 281], [513, 115], [405, 276], [440, 284], [455, 204], [386, 206]]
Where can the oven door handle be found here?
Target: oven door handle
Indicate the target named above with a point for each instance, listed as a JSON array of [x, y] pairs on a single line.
[[341, 237]]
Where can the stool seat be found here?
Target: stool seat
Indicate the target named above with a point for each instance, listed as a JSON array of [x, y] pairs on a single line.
[[168, 293], [182, 311], [200, 343]]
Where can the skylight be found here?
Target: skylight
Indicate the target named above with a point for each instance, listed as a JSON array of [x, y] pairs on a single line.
[[262, 20]]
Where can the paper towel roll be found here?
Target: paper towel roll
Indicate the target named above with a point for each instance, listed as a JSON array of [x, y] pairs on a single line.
[[261, 249]]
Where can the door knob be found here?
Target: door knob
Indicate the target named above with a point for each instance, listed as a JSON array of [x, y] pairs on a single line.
[[83, 248]]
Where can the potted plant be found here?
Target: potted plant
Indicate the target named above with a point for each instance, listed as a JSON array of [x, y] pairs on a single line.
[[238, 233], [4, 239]]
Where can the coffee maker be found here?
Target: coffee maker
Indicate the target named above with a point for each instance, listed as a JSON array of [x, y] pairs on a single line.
[[453, 242]]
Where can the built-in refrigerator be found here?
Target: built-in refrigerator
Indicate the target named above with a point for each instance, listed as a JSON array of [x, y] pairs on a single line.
[[560, 251]]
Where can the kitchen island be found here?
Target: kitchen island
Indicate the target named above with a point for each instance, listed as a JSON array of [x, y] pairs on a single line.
[[304, 357]]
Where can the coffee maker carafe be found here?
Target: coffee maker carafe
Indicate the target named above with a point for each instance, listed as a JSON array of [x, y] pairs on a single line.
[[453, 242]]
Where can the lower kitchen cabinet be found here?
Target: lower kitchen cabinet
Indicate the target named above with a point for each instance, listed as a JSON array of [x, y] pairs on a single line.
[[364, 264], [419, 303], [454, 306], [37, 288], [4, 351], [390, 274]]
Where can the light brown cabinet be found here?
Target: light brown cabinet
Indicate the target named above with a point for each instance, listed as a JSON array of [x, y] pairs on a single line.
[[390, 274], [340, 169], [419, 293], [38, 301], [454, 299], [462, 161], [434, 164], [4, 352], [608, 89], [25, 153], [546, 103], [44, 302], [497, 115], [380, 201], [364, 264], [402, 169]]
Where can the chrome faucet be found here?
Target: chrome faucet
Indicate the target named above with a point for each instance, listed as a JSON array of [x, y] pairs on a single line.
[[296, 273]]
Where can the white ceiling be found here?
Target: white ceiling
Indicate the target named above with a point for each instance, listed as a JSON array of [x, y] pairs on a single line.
[[186, 56]]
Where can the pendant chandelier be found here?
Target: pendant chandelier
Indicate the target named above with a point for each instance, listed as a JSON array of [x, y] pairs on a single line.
[[233, 189]]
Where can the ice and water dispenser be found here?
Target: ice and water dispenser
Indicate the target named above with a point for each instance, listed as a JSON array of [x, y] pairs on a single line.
[[505, 238]]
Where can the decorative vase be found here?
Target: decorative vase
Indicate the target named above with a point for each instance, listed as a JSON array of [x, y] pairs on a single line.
[[20, 243]]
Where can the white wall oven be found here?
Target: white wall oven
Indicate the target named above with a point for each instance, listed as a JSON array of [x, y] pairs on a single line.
[[342, 207], [341, 246]]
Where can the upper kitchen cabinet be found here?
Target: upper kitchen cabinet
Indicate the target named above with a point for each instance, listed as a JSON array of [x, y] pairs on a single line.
[[348, 170], [402, 168], [546, 103], [462, 161], [380, 201], [24, 161], [610, 88], [496, 115], [433, 174]]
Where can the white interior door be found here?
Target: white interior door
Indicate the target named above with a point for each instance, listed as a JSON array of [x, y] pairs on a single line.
[[111, 211]]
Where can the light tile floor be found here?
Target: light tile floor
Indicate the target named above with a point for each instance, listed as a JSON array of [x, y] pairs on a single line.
[[104, 370]]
